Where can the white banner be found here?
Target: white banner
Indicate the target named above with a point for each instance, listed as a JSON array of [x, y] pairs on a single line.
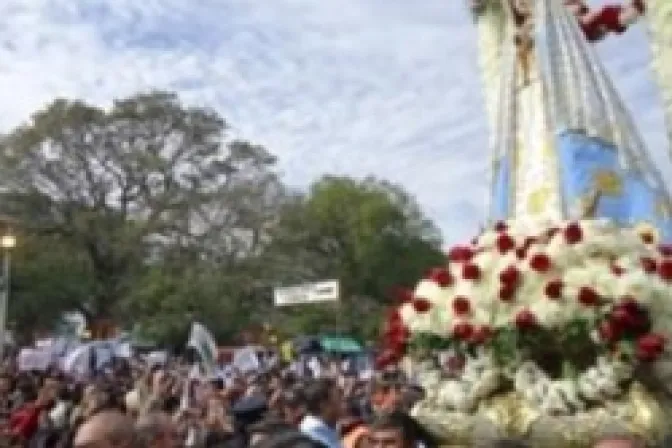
[[34, 359], [204, 343], [326, 291], [246, 360]]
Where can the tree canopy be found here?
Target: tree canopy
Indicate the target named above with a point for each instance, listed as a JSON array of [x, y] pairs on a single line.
[[149, 214], [138, 183], [369, 234]]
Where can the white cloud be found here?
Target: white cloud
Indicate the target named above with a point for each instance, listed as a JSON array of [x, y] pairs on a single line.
[[346, 86]]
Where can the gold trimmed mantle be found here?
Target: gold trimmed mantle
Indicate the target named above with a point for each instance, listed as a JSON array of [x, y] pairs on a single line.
[[508, 415]]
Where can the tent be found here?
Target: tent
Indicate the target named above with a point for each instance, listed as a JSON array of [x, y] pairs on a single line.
[[328, 344]]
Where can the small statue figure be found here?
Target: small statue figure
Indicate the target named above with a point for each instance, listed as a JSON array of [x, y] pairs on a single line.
[[597, 24]]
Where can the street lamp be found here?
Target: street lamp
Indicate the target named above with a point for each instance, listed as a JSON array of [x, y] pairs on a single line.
[[7, 243]]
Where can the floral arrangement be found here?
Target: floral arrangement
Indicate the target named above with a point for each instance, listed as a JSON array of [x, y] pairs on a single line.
[[566, 310]]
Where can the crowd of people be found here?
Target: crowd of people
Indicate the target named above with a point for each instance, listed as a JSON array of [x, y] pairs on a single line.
[[163, 406]]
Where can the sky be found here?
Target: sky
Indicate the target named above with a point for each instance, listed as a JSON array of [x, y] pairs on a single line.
[[352, 87]]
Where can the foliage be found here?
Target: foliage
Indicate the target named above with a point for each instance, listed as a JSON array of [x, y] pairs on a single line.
[[48, 277], [148, 214], [369, 234], [145, 181]]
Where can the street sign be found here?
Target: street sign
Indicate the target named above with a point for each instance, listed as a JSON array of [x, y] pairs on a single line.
[[325, 291]]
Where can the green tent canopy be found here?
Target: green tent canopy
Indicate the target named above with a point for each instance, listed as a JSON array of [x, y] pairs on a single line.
[[340, 344]]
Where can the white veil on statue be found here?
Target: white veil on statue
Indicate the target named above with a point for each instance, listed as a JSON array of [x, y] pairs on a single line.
[[561, 133]]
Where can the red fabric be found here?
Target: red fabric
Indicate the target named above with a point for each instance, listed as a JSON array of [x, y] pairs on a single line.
[[607, 20], [610, 18], [592, 31], [23, 422]]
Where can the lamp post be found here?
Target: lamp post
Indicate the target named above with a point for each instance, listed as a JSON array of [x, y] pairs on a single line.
[[7, 243]]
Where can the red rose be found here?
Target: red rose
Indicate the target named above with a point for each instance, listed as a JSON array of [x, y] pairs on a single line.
[[463, 330], [649, 265], [588, 296], [630, 304], [397, 336], [630, 314], [573, 233], [665, 250], [393, 316], [471, 272], [387, 358], [665, 270], [507, 293], [505, 243], [500, 226], [461, 306], [510, 276], [421, 305], [481, 334], [460, 254], [617, 270], [553, 289], [650, 346], [441, 276], [621, 317], [394, 321], [540, 262], [609, 331], [525, 319]]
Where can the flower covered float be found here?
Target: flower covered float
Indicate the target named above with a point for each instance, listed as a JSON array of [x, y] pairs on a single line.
[[562, 314]]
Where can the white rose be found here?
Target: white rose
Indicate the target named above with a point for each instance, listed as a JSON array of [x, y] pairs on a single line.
[[636, 284], [487, 239], [557, 250], [407, 314], [427, 289], [578, 277], [485, 261]]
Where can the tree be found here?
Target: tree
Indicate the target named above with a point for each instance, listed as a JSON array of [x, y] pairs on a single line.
[[369, 234], [126, 188], [48, 277]]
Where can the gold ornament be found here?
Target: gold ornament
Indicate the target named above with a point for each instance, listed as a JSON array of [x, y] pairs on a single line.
[[647, 232], [537, 200], [608, 183], [509, 415]]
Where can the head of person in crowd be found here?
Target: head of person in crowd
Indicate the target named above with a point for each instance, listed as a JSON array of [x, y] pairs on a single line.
[[156, 430], [293, 405], [107, 429], [324, 401], [354, 433], [6, 384], [387, 392], [619, 441], [390, 431], [247, 412], [267, 428], [504, 443], [288, 439], [412, 394], [52, 386]]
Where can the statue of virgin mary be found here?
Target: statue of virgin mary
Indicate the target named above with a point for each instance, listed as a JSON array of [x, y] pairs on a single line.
[[564, 145]]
